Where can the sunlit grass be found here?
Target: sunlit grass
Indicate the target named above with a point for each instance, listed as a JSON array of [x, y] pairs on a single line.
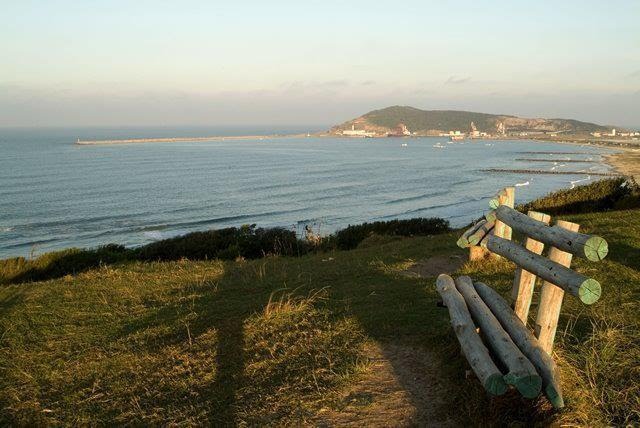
[[272, 340]]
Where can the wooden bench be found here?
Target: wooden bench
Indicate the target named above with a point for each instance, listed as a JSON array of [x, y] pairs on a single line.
[[507, 352]]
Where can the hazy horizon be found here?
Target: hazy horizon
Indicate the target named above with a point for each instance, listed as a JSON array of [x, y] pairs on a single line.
[[109, 64]]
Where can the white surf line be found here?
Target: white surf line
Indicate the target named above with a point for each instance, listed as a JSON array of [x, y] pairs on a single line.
[[573, 183]]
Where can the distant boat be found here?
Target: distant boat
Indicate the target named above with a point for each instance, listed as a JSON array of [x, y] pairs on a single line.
[[456, 137], [403, 145], [439, 146], [526, 183]]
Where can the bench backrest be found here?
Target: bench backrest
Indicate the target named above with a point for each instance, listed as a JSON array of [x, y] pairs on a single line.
[[492, 236]]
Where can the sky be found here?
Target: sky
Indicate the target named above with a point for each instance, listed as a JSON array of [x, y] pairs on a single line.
[[317, 63]]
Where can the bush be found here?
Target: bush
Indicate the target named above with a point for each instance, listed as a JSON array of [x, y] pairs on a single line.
[[60, 263], [603, 195], [227, 244], [350, 237]]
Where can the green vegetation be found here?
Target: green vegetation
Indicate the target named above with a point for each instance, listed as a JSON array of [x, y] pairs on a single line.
[[603, 195], [444, 120], [351, 236], [275, 340], [246, 242], [424, 120]]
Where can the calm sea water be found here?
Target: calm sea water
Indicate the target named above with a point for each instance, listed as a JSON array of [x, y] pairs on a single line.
[[54, 194]]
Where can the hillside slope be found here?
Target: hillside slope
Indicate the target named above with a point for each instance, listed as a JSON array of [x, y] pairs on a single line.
[[283, 341], [435, 121]]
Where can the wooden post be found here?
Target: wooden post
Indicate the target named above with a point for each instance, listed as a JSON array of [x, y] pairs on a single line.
[[551, 297], [505, 198], [472, 347], [524, 281], [478, 253]]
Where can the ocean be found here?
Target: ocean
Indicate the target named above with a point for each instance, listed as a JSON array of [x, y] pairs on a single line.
[[55, 195]]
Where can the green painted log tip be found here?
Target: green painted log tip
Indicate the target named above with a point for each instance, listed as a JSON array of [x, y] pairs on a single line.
[[494, 203], [589, 291], [495, 385], [462, 243], [490, 216], [529, 386], [596, 249], [554, 396]]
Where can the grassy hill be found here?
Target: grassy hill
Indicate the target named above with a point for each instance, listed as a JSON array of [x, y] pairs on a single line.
[[424, 121], [287, 340]]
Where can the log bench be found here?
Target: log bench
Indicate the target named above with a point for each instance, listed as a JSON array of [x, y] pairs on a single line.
[[493, 334]]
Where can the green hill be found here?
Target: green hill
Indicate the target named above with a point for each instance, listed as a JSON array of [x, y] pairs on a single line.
[[433, 121]]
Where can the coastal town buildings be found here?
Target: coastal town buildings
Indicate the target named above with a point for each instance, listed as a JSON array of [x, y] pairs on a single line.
[[400, 131], [353, 132]]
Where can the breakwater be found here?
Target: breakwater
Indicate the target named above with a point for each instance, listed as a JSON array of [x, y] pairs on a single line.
[[184, 139]]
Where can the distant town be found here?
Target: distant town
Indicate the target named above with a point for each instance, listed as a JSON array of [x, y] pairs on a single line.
[[502, 131]]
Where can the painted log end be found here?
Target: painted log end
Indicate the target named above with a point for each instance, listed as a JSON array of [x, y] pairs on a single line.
[[495, 384], [596, 249], [494, 203], [490, 216], [554, 396], [463, 243], [529, 386], [589, 291]]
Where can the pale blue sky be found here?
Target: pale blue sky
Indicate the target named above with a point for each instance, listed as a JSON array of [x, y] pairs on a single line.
[[314, 62]]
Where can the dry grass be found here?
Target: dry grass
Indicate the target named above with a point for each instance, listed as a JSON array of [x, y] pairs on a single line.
[[271, 341]]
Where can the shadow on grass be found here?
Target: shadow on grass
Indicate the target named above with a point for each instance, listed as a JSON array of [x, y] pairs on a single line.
[[224, 312]]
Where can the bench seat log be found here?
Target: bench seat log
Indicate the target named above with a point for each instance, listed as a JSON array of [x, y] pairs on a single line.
[[590, 247], [475, 234], [588, 290], [472, 346], [522, 373], [526, 342]]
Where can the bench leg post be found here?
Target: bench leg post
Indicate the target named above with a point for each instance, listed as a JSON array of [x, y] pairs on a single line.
[[524, 281], [551, 297]]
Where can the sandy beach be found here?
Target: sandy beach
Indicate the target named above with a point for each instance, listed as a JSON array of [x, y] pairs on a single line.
[[627, 162]]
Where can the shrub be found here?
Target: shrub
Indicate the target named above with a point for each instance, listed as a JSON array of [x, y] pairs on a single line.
[[603, 195], [60, 263], [351, 236], [227, 244]]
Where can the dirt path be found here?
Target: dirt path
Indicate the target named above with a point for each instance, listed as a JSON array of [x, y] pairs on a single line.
[[402, 387], [434, 266]]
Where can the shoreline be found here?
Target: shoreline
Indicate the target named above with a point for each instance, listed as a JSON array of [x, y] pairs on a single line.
[[625, 162]]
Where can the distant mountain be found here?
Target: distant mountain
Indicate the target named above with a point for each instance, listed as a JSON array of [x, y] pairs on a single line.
[[432, 122]]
